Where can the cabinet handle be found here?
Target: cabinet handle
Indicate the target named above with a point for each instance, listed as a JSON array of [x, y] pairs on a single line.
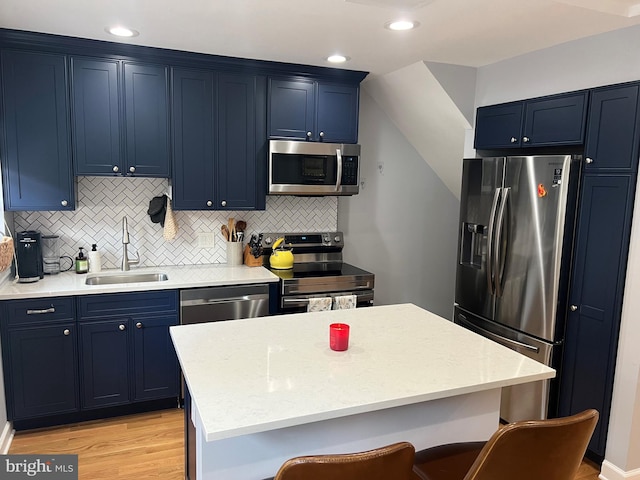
[[132, 169], [115, 169], [209, 203], [309, 134], [223, 203], [139, 325], [526, 139], [514, 140], [588, 160], [122, 327], [321, 134], [67, 332], [573, 308], [51, 309], [64, 203]]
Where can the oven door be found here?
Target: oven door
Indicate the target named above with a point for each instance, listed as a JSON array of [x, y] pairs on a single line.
[[313, 168], [299, 303]]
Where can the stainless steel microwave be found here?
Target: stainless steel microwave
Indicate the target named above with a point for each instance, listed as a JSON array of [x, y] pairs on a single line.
[[313, 168]]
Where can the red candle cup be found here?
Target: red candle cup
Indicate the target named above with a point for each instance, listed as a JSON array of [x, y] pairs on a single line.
[[339, 336]]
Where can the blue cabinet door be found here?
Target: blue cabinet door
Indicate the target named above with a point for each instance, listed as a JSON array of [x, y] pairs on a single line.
[[155, 365], [292, 109], [36, 153], [194, 137], [95, 85], [337, 113], [241, 157], [499, 126], [146, 107], [558, 120], [596, 297], [612, 130], [104, 363], [42, 371]]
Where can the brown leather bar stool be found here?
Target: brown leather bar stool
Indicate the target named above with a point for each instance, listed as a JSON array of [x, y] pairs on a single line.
[[392, 462], [531, 450]]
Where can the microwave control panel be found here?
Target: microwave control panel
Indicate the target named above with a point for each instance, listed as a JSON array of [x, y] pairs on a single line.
[[349, 170]]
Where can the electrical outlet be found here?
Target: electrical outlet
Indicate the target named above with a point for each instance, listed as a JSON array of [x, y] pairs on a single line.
[[205, 239]]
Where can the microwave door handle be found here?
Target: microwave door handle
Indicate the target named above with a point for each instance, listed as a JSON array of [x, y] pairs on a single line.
[[339, 176]]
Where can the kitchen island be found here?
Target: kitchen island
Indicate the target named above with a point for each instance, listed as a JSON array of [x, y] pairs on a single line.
[[267, 389]]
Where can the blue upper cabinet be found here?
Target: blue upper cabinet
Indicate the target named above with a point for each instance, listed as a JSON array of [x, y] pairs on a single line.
[[315, 111], [242, 156], [36, 153], [337, 118], [613, 129], [291, 109], [146, 116], [499, 126], [558, 120], [96, 116], [193, 135], [219, 141], [541, 122], [105, 115]]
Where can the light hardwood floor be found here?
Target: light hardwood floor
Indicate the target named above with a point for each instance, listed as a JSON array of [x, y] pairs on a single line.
[[136, 447]]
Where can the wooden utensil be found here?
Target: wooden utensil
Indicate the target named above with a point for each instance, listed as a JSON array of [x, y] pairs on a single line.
[[225, 232], [231, 226]]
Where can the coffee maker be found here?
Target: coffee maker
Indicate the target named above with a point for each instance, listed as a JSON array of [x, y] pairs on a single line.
[[29, 256]]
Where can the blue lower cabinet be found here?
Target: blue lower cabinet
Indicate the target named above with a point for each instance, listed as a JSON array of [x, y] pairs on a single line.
[[41, 370], [597, 286], [104, 360], [126, 351], [155, 365]]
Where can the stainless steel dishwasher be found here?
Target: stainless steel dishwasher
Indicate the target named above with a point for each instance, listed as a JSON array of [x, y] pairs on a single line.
[[214, 304]]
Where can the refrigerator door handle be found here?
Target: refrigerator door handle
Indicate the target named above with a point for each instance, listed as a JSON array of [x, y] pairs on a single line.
[[498, 338], [498, 255], [490, 234]]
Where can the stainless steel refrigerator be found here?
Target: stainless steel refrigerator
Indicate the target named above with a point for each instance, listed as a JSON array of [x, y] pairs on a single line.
[[517, 218]]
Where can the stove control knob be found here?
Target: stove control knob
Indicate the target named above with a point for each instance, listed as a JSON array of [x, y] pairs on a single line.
[[326, 238], [337, 239], [267, 241]]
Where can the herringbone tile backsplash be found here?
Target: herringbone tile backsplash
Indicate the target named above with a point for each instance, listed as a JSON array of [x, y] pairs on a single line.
[[103, 201]]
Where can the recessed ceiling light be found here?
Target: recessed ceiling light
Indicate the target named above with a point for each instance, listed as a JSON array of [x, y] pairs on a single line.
[[337, 58], [401, 25], [120, 31]]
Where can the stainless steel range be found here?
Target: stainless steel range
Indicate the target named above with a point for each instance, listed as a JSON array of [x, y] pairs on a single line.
[[318, 271]]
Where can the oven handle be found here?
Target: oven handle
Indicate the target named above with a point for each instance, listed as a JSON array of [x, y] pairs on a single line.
[[339, 173], [301, 301]]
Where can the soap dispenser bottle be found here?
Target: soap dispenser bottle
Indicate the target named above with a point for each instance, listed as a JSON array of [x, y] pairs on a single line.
[[82, 262], [95, 261]]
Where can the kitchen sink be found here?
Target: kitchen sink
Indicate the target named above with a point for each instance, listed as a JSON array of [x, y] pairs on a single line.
[[126, 278]]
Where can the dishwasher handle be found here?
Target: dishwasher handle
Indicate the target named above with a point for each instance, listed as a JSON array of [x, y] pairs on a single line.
[[220, 301]]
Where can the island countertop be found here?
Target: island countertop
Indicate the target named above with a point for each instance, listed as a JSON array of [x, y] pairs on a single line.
[[254, 375], [182, 276]]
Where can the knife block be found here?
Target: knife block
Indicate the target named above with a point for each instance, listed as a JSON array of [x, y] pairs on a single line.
[[250, 260]]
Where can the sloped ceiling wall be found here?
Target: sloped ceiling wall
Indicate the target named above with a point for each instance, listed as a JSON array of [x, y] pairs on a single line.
[[432, 104]]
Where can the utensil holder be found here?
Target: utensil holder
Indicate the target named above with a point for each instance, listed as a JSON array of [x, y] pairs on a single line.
[[234, 253], [250, 260]]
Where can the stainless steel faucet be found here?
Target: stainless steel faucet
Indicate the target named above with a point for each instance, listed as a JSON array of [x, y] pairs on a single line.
[[126, 261]]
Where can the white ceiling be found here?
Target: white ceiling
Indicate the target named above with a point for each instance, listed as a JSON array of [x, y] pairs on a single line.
[[462, 32]]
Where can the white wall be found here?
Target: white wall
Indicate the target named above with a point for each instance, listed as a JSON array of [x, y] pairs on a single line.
[[402, 225], [599, 60]]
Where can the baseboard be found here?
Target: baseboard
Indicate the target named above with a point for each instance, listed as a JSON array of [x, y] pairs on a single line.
[[6, 438], [610, 472]]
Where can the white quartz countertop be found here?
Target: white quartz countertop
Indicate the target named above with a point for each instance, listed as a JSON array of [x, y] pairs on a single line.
[[253, 375], [183, 276]]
